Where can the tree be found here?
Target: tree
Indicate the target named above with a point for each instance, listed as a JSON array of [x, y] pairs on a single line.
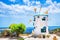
[[18, 28], [21, 27], [13, 27]]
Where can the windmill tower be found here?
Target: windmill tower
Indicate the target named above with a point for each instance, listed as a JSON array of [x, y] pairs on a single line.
[[41, 23]]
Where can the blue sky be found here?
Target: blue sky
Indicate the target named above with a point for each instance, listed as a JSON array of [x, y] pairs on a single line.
[[22, 11]]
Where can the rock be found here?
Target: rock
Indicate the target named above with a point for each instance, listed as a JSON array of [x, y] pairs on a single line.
[[55, 38]]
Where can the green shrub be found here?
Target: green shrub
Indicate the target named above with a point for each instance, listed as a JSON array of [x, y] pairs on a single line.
[[18, 28], [20, 39]]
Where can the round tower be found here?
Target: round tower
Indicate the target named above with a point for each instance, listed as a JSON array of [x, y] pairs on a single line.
[[40, 24]]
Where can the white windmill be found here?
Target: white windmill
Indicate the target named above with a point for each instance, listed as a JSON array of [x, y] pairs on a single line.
[[40, 23]]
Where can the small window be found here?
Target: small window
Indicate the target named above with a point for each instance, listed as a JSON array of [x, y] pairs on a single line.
[[34, 19], [38, 16], [33, 23], [44, 18], [43, 29], [34, 27]]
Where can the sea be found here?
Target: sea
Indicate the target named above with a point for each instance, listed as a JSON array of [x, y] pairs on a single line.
[[29, 29]]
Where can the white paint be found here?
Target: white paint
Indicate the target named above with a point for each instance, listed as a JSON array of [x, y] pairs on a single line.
[[39, 24]]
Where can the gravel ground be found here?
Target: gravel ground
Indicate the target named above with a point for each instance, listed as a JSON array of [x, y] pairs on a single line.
[[7, 39], [50, 38], [31, 38]]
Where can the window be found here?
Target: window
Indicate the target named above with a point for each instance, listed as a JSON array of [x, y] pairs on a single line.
[[33, 23], [34, 19], [34, 27], [38, 16], [44, 18], [43, 29]]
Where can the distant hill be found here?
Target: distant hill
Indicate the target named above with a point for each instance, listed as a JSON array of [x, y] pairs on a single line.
[[55, 31]]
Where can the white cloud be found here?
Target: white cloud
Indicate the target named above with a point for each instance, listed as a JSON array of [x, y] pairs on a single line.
[[54, 6], [20, 10], [30, 3], [48, 1], [27, 2], [16, 10], [12, 0], [1, 15], [14, 16], [38, 3]]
